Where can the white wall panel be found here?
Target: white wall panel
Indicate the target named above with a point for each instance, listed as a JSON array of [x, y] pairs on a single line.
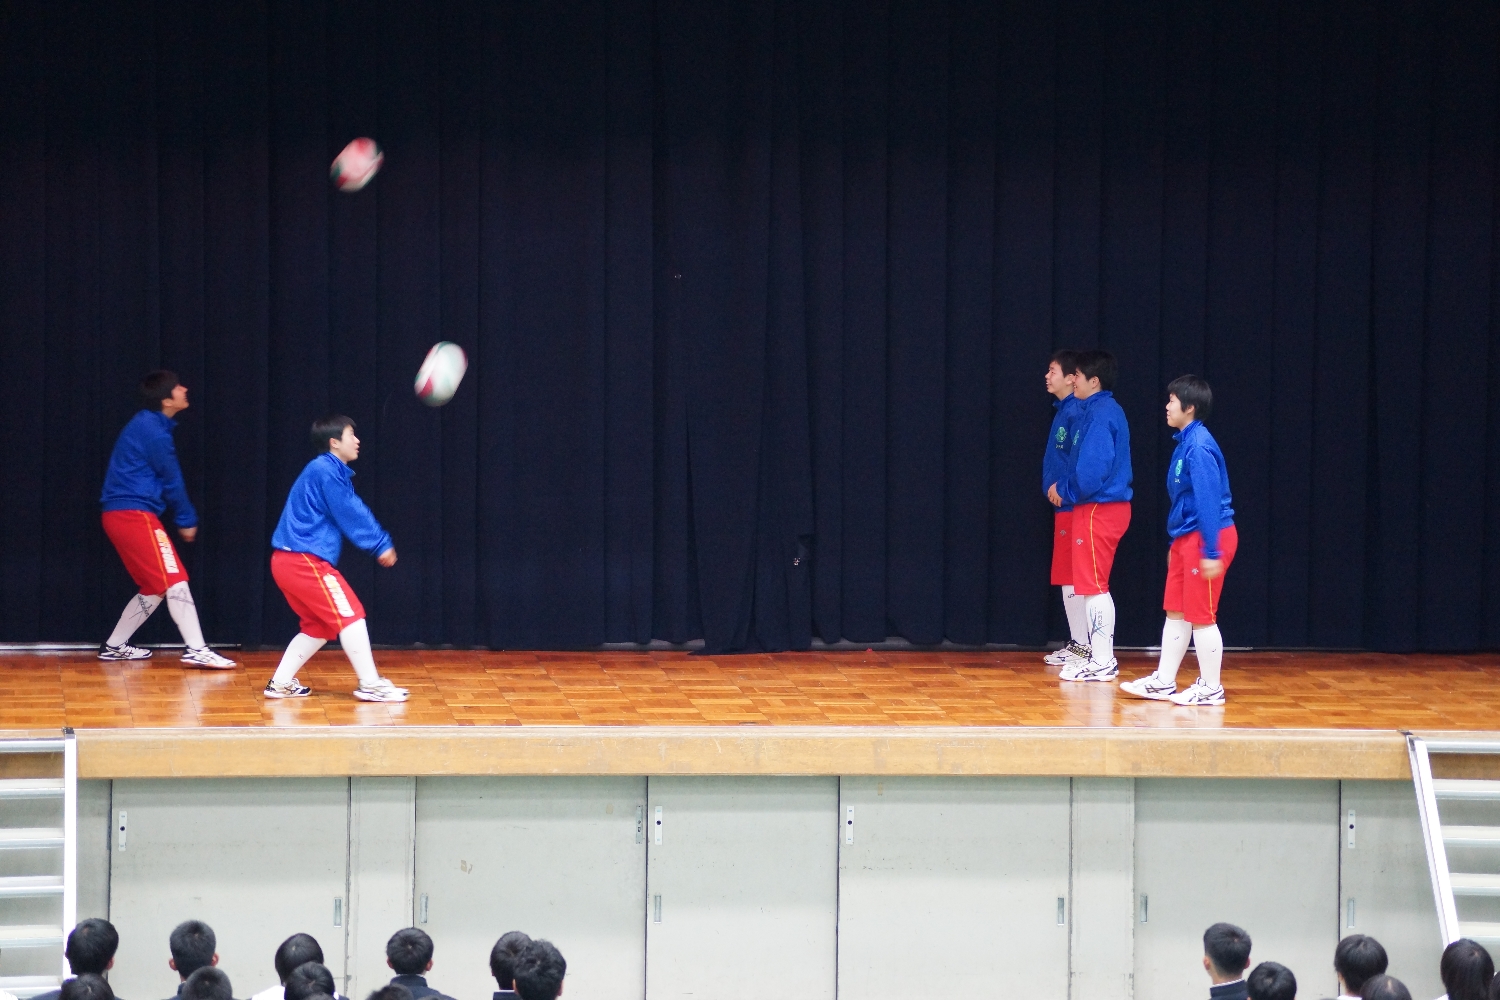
[[382, 849], [93, 849], [1103, 888], [950, 888]]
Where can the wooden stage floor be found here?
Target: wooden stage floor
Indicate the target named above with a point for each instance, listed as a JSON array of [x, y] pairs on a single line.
[[1356, 701]]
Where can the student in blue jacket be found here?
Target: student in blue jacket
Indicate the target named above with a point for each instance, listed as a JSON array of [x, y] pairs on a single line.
[[142, 481], [1097, 487], [1204, 540], [1061, 373], [321, 511]]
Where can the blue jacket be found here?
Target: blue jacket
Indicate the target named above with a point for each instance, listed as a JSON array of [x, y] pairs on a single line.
[[322, 510], [1198, 486], [1059, 444], [143, 472], [1099, 462]]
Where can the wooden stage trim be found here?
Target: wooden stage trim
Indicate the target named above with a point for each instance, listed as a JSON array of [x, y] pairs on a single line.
[[718, 750]]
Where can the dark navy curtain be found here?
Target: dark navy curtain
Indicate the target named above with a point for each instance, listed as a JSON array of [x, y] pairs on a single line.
[[758, 295]]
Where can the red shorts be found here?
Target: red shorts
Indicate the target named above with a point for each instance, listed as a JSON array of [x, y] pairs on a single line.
[[145, 549], [318, 593], [1097, 529], [1187, 592], [1062, 550]]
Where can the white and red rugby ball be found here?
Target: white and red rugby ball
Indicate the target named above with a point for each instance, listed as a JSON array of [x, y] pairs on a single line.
[[441, 371], [357, 165]]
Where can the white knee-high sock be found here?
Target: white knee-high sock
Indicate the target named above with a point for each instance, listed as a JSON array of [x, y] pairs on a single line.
[[1100, 611], [1078, 621], [185, 613], [133, 617], [298, 652], [356, 642], [1208, 644], [1175, 636]]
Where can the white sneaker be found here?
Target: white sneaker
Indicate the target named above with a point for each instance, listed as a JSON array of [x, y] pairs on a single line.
[[124, 651], [205, 657], [291, 689], [1061, 657], [1199, 694], [381, 690], [1150, 686], [1088, 670]]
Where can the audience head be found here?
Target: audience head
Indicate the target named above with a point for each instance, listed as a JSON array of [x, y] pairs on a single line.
[[88, 986], [409, 952], [1384, 987], [91, 946], [1227, 949], [503, 958], [539, 971], [207, 983], [192, 943], [308, 980], [1467, 969], [1270, 981], [1357, 959], [294, 951], [393, 991]]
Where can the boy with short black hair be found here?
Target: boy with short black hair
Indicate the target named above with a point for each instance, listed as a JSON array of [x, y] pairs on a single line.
[[409, 954], [1358, 959], [1097, 487], [1271, 981], [503, 963], [90, 951], [292, 952], [193, 947], [322, 510], [86, 987], [1204, 541], [308, 980], [207, 983], [1061, 372], [540, 970], [142, 481], [1226, 956]]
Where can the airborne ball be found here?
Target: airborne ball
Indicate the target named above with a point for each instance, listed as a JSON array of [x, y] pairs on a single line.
[[357, 165], [443, 369]]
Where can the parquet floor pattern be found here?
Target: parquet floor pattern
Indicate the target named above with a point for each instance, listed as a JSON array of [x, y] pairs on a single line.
[[824, 688]]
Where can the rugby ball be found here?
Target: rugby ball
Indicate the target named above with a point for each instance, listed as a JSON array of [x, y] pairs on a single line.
[[443, 369], [357, 165]]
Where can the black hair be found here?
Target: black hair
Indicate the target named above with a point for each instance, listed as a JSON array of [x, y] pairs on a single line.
[[208, 983], [1066, 359], [1358, 958], [1466, 970], [330, 426], [1228, 947], [155, 387], [539, 971], [1193, 393], [1271, 981], [294, 951], [1100, 365], [88, 986], [1384, 987], [193, 944], [391, 991], [91, 945], [307, 980], [503, 957], [409, 951]]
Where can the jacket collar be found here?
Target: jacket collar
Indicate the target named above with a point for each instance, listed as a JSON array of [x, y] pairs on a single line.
[[170, 423], [342, 467], [1189, 429]]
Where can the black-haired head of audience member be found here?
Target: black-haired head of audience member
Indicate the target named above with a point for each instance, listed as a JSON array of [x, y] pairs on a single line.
[[392, 991], [1357, 960], [1383, 987], [307, 980], [1467, 970], [409, 952], [294, 951], [503, 960], [192, 943], [540, 969], [89, 986], [1271, 981], [207, 983], [91, 946], [1226, 953]]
